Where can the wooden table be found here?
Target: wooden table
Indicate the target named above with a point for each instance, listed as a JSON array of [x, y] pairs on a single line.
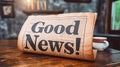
[[12, 57]]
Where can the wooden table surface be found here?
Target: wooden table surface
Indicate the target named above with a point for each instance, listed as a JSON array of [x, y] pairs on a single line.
[[10, 56]]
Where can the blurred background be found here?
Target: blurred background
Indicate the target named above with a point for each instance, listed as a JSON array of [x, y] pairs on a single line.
[[13, 14]]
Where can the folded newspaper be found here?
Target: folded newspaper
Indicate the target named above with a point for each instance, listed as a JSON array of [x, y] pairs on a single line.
[[66, 35]]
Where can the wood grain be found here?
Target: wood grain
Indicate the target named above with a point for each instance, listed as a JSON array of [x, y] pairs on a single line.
[[10, 56]]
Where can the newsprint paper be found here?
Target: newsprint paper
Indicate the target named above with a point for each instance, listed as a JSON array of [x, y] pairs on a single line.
[[66, 35]]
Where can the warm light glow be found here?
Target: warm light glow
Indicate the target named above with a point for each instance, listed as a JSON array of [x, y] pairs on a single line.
[[28, 1], [34, 5], [28, 4]]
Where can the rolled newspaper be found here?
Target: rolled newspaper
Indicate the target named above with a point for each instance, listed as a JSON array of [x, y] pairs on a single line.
[[66, 35]]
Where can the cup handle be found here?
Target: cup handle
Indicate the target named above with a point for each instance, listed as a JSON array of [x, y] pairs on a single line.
[[106, 44]]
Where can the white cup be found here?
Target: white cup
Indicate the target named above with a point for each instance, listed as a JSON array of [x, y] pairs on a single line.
[[100, 43]]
